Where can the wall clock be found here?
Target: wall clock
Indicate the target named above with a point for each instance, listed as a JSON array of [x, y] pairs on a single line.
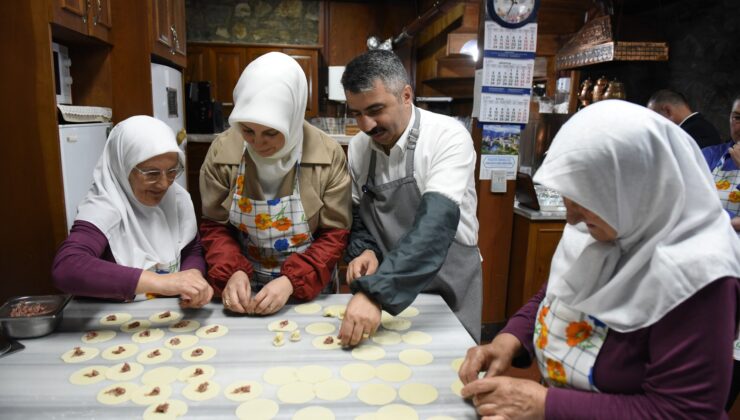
[[513, 13]]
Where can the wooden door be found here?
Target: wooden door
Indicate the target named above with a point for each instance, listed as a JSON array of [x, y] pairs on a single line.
[[177, 28], [309, 61], [161, 36], [200, 64], [71, 14], [100, 21], [229, 63]]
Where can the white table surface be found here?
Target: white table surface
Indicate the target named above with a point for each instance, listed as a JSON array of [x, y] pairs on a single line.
[[35, 382]]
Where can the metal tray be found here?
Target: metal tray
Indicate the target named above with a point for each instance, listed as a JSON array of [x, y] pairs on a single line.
[[34, 325]]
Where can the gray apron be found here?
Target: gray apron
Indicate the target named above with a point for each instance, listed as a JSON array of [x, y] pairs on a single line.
[[388, 211]]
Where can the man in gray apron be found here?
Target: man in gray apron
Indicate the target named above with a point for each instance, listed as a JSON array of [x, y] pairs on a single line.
[[414, 214]]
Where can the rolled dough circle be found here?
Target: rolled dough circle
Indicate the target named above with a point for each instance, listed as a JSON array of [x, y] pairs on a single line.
[[357, 372], [88, 353], [296, 393], [308, 308], [114, 372], [376, 394], [79, 378], [418, 394], [255, 390], [368, 352], [393, 372], [415, 357], [320, 328], [314, 413], [259, 409]]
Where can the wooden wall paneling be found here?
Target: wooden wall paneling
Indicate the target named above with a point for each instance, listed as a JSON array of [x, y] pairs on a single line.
[[200, 64], [308, 59], [432, 44], [350, 24], [71, 14], [91, 70], [33, 210], [230, 62]]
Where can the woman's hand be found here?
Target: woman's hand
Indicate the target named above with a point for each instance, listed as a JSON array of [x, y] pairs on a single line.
[[503, 397], [735, 154], [190, 285], [237, 294], [364, 264], [494, 358], [272, 297]]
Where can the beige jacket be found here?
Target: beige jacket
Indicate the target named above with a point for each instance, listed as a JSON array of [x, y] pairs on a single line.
[[324, 180]]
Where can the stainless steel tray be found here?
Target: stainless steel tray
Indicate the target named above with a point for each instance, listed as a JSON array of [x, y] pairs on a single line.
[[33, 325]]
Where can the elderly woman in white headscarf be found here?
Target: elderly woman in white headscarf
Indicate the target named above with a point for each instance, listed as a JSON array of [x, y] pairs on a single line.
[[276, 194], [638, 317], [135, 231]]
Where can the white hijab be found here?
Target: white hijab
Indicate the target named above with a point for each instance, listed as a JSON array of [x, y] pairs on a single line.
[[139, 236], [647, 179], [272, 91]]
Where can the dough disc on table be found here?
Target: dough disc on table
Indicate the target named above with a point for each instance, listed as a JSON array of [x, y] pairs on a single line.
[[259, 409], [396, 324], [116, 373], [367, 416], [415, 357], [409, 312], [189, 373], [108, 396], [322, 342], [368, 352], [320, 328], [185, 341], [212, 331], [141, 337], [333, 390], [87, 354], [101, 336], [335, 311], [280, 375], [143, 394], [314, 413], [154, 356], [376, 394], [287, 325], [396, 412], [357, 372], [393, 372], [386, 338], [192, 354], [296, 393], [238, 392], [418, 394], [135, 325], [417, 338], [184, 326], [307, 308], [79, 377], [457, 363], [175, 408], [165, 317], [120, 318], [457, 387], [209, 389], [121, 351], [441, 418], [161, 375], [313, 374]]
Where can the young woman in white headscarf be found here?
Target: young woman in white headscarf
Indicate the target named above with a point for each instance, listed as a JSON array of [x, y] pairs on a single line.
[[276, 195], [639, 314], [135, 231]]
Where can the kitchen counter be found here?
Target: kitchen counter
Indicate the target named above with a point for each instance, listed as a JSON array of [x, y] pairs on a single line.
[[36, 381], [537, 214], [208, 138]]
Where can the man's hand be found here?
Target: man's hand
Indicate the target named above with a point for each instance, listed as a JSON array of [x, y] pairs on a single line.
[[238, 293], [361, 319], [494, 358], [502, 397], [364, 264], [272, 297]]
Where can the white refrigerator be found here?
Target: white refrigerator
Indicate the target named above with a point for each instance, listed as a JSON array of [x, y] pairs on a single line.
[[167, 97], [81, 146]]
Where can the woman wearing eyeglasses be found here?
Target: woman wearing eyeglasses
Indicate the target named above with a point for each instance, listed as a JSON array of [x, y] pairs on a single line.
[[135, 231], [276, 195]]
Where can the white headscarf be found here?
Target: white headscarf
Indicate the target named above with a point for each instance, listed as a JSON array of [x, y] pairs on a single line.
[[139, 236], [646, 178], [272, 91]]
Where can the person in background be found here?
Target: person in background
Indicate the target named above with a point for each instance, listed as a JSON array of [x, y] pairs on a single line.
[[674, 106], [135, 231], [724, 161], [276, 194], [414, 202], [638, 317]]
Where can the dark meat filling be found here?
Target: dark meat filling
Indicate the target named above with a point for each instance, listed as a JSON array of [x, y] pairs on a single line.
[[175, 341], [197, 352], [78, 352], [90, 335], [117, 391], [125, 368], [242, 390], [93, 373], [213, 329], [162, 408], [165, 315], [154, 392], [154, 354], [119, 350], [181, 324], [202, 387]]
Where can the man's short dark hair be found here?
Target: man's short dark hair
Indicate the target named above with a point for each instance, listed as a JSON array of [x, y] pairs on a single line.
[[362, 72], [668, 96]]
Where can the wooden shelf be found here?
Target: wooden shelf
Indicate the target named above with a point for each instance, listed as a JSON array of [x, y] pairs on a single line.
[[456, 87]]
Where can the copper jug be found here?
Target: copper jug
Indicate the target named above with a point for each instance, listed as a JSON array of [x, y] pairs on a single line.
[[615, 90], [584, 95], [599, 89]]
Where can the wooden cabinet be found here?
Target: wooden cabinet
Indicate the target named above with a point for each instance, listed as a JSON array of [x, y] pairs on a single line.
[[196, 155], [532, 247], [168, 30], [222, 64], [88, 17]]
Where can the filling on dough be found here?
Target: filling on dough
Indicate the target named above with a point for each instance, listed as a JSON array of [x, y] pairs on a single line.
[[329, 340], [154, 354], [175, 341], [145, 333], [198, 372], [135, 324], [111, 317], [181, 324], [117, 391], [213, 329], [162, 408], [197, 352], [119, 350], [202, 387], [93, 373], [90, 335], [78, 352], [125, 368], [154, 392], [242, 390], [283, 323], [164, 315]]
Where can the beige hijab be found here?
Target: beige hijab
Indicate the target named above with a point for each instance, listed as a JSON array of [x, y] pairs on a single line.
[[647, 179], [272, 91]]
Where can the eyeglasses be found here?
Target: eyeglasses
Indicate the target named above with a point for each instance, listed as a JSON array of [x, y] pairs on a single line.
[[153, 176]]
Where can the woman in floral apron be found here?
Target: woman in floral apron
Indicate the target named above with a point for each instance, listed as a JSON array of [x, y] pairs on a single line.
[[638, 317], [276, 195]]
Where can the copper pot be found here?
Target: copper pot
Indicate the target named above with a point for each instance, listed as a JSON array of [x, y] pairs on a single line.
[[615, 90], [599, 89]]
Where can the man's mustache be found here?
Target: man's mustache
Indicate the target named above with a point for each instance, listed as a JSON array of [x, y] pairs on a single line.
[[374, 131]]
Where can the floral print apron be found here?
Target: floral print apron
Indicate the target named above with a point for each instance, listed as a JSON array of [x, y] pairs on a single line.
[[727, 186], [269, 230], [567, 343]]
